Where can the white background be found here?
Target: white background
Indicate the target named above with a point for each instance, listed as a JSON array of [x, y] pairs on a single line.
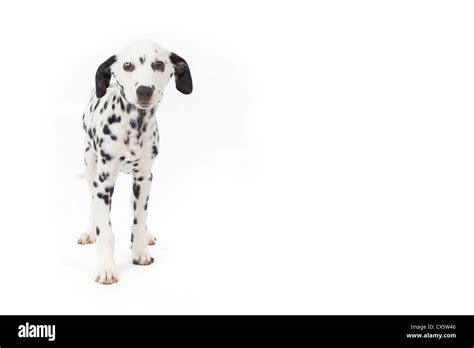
[[323, 164]]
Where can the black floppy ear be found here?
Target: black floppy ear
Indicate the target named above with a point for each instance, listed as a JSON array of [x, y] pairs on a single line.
[[182, 74], [102, 77]]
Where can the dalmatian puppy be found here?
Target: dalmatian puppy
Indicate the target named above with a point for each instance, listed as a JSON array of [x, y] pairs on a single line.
[[121, 135]]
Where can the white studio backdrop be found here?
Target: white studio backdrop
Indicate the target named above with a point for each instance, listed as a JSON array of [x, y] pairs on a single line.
[[322, 165]]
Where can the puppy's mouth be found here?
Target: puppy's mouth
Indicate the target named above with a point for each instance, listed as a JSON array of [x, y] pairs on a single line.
[[144, 105], [147, 105]]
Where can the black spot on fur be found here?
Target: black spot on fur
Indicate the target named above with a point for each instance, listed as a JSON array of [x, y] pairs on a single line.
[[140, 119], [136, 190], [122, 158], [96, 104], [129, 107], [154, 151], [121, 104], [131, 239], [106, 130], [135, 221], [142, 59], [140, 178], [105, 105], [105, 156], [104, 197], [110, 190], [133, 124], [97, 231], [114, 119], [113, 137], [141, 114], [103, 176], [134, 205], [95, 184]]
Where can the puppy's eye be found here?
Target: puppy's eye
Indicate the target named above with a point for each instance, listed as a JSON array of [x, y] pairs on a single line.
[[128, 66], [158, 65]]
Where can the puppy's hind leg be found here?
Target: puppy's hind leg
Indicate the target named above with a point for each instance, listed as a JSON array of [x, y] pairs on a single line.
[[90, 161], [150, 239]]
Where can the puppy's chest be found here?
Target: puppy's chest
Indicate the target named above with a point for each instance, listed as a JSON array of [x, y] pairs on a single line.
[[140, 144], [132, 136], [140, 137], [117, 130], [138, 133]]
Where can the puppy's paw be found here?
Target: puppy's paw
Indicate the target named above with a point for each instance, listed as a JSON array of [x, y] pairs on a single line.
[[107, 276], [86, 238], [142, 258], [150, 239]]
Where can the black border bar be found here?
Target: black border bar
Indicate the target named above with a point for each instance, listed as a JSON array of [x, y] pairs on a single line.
[[237, 331]]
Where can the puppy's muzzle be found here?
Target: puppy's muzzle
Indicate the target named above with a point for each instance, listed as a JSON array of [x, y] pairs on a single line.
[[144, 94]]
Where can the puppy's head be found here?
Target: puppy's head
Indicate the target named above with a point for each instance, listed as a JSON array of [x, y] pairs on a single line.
[[142, 71]]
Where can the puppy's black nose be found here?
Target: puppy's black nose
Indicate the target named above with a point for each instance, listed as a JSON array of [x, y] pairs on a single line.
[[144, 93]]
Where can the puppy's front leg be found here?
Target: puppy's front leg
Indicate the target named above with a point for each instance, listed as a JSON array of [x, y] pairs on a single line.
[[141, 190], [104, 182]]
